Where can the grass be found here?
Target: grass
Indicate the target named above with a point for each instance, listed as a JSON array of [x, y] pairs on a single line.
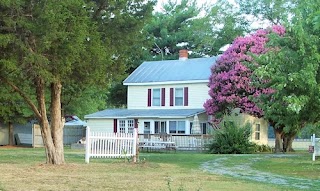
[[24, 169], [299, 165]]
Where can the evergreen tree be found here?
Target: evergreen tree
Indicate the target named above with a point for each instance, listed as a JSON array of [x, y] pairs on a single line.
[[54, 47]]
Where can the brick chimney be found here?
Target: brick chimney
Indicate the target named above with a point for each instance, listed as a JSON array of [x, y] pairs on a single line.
[[183, 54]]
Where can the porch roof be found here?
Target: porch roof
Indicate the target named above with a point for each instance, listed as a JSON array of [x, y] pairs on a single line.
[[144, 113]]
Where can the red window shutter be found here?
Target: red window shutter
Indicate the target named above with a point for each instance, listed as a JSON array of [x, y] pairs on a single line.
[[171, 96], [186, 99], [115, 125], [149, 97], [136, 123], [163, 97]]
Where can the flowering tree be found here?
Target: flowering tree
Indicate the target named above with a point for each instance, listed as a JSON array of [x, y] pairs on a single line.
[[230, 83]]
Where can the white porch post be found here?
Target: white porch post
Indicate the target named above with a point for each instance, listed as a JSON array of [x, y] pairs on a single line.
[[135, 142], [88, 143]]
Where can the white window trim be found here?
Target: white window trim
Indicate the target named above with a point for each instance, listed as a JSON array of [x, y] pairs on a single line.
[[152, 97], [126, 125], [185, 129], [174, 96], [257, 131]]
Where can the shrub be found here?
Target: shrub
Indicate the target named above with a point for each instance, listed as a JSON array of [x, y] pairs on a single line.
[[232, 139], [263, 148]]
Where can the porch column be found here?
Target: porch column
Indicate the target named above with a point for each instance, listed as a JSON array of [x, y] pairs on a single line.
[[136, 123]]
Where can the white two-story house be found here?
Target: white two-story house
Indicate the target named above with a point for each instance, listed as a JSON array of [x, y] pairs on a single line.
[[163, 97]]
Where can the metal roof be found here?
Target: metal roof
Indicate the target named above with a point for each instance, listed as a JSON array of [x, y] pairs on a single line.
[[144, 113], [172, 70]]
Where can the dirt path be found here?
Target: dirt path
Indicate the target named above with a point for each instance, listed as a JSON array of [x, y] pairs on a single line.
[[244, 171]]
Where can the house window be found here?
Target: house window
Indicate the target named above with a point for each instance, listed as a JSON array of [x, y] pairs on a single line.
[[146, 129], [178, 97], [130, 125], [122, 126], [160, 127], [126, 126], [156, 97], [178, 127], [257, 132], [204, 128]]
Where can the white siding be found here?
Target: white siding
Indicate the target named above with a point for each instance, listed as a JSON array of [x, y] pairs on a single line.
[[197, 95], [100, 125], [137, 97]]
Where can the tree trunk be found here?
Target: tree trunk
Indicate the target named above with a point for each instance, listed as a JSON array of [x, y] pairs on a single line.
[[52, 135], [287, 142], [284, 142], [290, 140], [56, 121], [11, 136], [278, 139]]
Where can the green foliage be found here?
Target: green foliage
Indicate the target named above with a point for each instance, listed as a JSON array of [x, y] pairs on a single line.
[[187, 25], [12, 107], [84, 44], [272, 11], [291, 69], [81, 102], [307, 131], [117, 95], [232, 139], [262, 148]]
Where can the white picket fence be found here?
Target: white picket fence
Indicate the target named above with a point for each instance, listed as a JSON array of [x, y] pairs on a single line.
[[315, 147], [110, 145]]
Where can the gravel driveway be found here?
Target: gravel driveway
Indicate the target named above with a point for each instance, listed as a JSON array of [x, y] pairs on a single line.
[[244, 171]]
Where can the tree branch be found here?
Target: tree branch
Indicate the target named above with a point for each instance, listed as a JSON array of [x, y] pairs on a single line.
[[23, 95]]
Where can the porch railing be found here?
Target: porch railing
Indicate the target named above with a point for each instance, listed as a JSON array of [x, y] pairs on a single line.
[[182, 142]]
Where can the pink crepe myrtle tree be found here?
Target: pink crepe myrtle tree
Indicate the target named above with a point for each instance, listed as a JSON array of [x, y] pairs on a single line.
[[230, 83]]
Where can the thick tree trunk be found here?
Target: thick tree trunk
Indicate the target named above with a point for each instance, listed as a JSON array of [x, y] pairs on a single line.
[[289, 148], [284, 143], [287, 142], [52, 135], [278, 139], [11, 136], [56, 121]]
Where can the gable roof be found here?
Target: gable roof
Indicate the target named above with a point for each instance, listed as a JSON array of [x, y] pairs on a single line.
[[194, 69], [144, 113]]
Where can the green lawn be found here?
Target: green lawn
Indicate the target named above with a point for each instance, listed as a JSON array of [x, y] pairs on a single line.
[[24, 169]]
